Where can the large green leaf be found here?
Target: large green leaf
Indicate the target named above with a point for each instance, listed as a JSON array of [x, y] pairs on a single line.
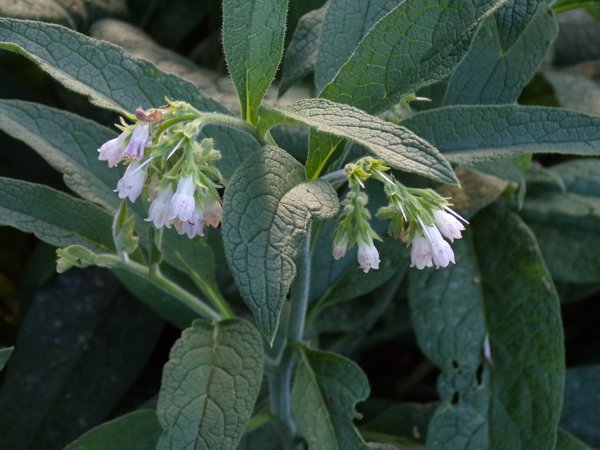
[[344, 25], [53, 216], [253, 33], [326, 389], [106, 74], [138, 430], [395, 144], [575, 91], [416, 44], [582, 404], [301, 54], [68, 142], [499, 290], [267, 209], [478, 134], [567, 226], [490, 74], [210, 385], [81, 345]]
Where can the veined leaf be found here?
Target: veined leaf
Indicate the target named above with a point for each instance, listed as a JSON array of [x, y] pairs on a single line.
[[138, 430], [109, 76], [301, 54], [267, 208], [210, 385], [418, 43], [479, 134], [491, 75], [82, 343], [345, 23], [395, 144], [513, 18], [253, 33], [326, 389], [456, 309], [53, 216], [69, 143]]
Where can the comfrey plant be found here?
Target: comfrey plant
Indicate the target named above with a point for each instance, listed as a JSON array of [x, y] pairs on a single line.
[[389, 227]]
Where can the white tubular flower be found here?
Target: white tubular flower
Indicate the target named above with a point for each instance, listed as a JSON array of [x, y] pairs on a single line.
[[182, 203], [158, 213], [448, 225], [113, 151], [213, 213], [193, 227], [340, 247], [138, 141], [441, 251], [420, 253], [368, 256], [131, 184]]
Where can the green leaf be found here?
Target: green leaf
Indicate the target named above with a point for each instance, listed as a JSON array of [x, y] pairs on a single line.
[[267, 209], [345, 23], [562, 6], [325, 391], [210, 385], [4, 355], [575, 91], [395, 144], [53, 216], [511, 130], [581, 408], [166, 306], [253, 33], [453, 312], [476, 191], [81, 345], [406, 422], [68, 143], [565, 441], [513, 18], [138, 430], [567, 227], [267, 437], [418, 43], [74, 14], [579, 32], [109, 76], [301, 54], [490, 74]]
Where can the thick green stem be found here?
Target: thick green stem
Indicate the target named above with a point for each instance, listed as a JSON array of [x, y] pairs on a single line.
[[280, 382], [215, 297], [300, 294]]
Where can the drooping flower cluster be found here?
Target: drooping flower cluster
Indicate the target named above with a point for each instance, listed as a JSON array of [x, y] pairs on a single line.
[[161, 146], [420, 217], [354, 229]]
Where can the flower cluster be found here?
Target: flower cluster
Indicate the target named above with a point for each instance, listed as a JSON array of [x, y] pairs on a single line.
[[354, 229], [161, 147], [420, 217]]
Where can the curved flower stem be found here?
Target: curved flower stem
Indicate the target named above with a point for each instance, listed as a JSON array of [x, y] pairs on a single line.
[[166, 285]]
